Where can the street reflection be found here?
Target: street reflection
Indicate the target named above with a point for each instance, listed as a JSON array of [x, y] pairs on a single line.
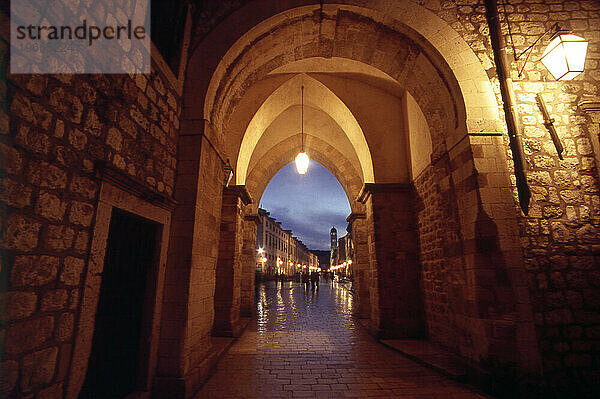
[[292, 307], [305, 343]]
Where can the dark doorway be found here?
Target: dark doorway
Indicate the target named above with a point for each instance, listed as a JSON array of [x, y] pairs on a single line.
[[124, 307]]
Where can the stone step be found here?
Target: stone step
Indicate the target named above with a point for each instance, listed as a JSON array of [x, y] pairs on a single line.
[[431, 355]]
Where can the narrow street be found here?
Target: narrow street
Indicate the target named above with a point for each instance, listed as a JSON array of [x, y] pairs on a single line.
[[307, 344]]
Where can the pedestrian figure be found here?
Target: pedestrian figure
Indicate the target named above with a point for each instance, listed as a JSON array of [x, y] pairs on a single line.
[[314, 280], [305, 279]]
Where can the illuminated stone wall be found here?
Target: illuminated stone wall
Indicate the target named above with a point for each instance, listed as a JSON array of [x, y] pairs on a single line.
[[55, 129], [560, 237]]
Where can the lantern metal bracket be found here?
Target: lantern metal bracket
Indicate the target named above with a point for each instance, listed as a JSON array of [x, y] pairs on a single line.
[[556, 30], [555, 27]]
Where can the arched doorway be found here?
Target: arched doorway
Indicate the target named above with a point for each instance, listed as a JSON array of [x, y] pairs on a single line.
[[414, 137]]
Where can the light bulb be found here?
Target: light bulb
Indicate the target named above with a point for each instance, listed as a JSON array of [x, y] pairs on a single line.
[[302, 163]]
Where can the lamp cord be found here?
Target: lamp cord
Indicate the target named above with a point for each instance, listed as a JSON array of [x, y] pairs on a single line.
[[302, 115]]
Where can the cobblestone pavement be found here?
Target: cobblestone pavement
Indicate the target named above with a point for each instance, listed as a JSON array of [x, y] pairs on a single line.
[[307, 345]]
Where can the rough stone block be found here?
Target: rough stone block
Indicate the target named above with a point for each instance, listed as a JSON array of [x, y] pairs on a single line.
[[10, 159], [114, 139], [50, 206], [54, 300], [74, 299], [32, 140], [81, 213], [37, 84], [58, 237], [77, 139], [65, 326], [30, 334], [46, 175], [38, 368], [33, 270], [66, 104], [9, 373], [14, 193], [84, 186], [81, 242], [92, 124], [72, 269], [21, 108], [17, 304]]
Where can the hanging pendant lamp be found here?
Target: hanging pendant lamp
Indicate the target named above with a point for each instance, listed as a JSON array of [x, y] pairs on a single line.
[[302, 157]]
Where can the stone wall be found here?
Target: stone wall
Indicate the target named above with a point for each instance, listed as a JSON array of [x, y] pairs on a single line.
[[395, 279], [229, 267], [443, 280], [248, 264], [54, 129], [560, 238]]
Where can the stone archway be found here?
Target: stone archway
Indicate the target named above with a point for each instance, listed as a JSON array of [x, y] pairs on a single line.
[[425, 57], [266, 167]]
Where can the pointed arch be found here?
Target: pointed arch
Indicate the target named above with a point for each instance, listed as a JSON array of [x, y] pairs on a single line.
[[318, 96]]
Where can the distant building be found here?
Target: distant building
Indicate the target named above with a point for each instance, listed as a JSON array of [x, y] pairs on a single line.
[[333, 246], [278, 251], [342, 253]]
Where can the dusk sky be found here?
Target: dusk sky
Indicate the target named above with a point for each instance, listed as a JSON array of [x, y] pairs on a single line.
[[307, 204]]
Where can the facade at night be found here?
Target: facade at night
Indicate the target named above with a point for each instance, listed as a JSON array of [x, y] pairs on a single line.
[[129, 202], [278, 251]]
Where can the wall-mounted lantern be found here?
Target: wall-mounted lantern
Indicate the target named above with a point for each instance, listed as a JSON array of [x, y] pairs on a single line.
[[565, 56]]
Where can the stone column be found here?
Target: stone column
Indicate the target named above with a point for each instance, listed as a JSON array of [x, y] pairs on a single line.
[[498, 320], [229, 263], [248, 265], [396, 304], [361, 264], [189, 279]]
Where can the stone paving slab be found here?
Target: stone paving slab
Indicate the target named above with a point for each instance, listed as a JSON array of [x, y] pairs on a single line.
[[306, 344]]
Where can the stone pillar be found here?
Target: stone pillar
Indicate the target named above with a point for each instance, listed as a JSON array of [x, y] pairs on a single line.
[[498, 312], [361, 264], [248, 265], [192, 255], [396, 304], [229, 263]]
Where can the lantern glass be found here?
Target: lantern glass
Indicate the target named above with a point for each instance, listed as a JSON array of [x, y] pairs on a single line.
[[565, 56], [302, 163]]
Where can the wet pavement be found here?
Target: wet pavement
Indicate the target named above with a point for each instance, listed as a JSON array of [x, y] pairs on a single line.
[[306, 344]]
